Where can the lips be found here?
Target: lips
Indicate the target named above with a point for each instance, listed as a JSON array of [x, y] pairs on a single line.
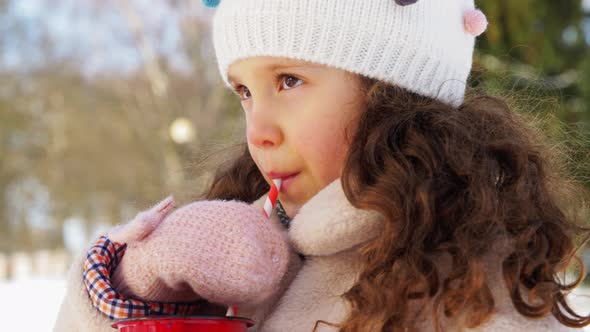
[[286, 179], [282, 176]]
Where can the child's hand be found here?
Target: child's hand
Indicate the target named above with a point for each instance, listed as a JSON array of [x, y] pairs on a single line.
[[226, 252], [105, 255], [143, 223], [101, 260]]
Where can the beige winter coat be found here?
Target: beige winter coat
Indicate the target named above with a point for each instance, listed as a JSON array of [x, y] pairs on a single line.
[[327, 230]]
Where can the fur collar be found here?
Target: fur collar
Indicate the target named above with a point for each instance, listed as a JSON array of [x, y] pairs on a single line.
[[328, 223]]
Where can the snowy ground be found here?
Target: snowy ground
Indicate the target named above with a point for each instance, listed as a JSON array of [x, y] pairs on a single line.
[[32, 305]]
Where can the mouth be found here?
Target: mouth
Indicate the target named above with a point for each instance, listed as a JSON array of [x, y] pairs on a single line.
[[286, 179], [282, 176]]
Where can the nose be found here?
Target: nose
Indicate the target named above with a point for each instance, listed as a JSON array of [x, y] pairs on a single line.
[[263, 129]]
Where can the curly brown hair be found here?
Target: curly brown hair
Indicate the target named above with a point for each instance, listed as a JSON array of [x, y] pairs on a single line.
[[448, 181]]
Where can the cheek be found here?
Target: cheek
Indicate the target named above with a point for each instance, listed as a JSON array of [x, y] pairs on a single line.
[[254, 156], [323, 145]]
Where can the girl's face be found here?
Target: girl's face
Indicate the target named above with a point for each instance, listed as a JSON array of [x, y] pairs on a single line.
[[296, 115]]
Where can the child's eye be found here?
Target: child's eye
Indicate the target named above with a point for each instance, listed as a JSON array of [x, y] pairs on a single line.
[[287, 81], [240, 92], [291, 81]]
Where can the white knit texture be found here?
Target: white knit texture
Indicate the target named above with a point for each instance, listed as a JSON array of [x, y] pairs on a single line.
[[422, 47]]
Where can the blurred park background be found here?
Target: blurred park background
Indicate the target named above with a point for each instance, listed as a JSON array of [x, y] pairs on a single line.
[[107, 105]]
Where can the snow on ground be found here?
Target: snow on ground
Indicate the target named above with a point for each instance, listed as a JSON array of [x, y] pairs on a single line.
[[32, 305]]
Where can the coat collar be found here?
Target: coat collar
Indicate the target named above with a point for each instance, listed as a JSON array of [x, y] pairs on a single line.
[[328, 223]]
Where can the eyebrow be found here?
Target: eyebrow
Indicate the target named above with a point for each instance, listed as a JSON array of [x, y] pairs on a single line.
[[275, 67]]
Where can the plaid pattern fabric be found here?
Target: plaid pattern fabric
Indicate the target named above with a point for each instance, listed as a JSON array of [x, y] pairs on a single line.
[[102, 258]]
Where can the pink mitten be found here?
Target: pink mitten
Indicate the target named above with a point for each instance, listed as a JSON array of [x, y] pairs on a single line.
[[143, 223], [223, 251]]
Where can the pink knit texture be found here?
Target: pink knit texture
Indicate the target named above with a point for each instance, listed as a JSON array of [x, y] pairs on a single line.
[[475, 22], [143, 224], [224, 251]]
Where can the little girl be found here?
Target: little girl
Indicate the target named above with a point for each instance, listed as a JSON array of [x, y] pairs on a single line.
[[413, 207]]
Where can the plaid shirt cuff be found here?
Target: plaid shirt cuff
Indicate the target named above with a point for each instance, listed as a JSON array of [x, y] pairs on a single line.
[[102, 258]]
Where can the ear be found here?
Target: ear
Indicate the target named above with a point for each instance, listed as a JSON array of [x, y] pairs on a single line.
[[211, 3]]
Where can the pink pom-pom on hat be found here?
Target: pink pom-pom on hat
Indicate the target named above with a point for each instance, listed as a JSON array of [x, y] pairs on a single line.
[[475, 22]]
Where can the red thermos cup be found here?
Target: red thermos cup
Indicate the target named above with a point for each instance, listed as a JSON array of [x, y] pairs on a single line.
[[184, 324]]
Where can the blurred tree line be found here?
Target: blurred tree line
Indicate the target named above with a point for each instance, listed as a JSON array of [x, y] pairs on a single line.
[[98, 147], [538, 53]]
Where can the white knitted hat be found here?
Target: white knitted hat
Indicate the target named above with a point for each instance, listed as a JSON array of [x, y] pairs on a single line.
[[425, 46]]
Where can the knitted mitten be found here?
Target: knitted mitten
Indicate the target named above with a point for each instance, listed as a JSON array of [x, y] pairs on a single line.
[[223, 251], [143, 223]]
